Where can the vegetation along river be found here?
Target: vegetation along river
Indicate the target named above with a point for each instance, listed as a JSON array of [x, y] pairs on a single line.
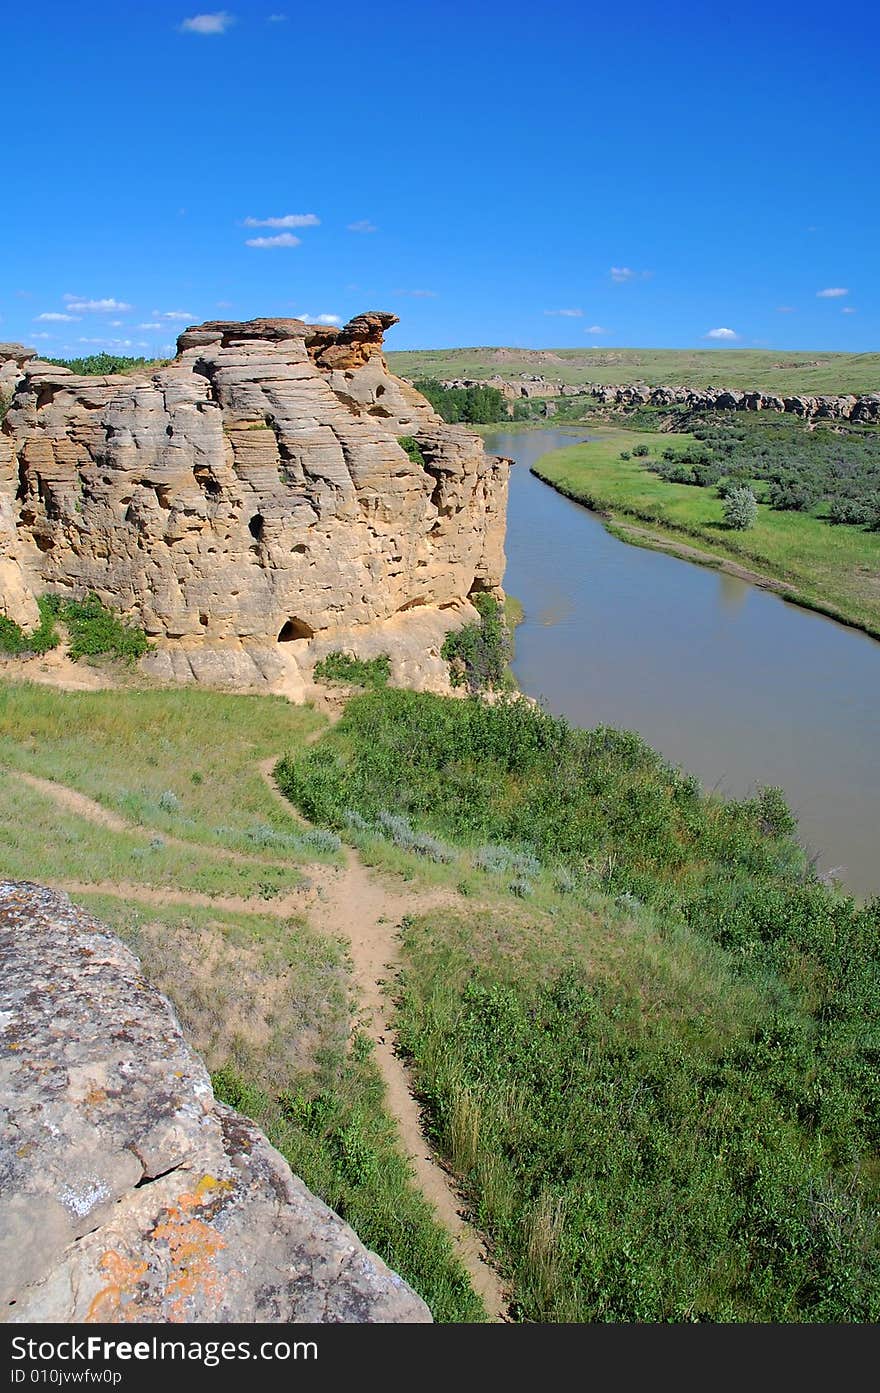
[[723, 678]]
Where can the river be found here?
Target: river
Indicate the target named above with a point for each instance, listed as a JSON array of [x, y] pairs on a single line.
[[722, 677]]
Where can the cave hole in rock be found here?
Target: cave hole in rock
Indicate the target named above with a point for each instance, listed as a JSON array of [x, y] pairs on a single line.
[[256, 526], [207, 483], [294, 629]]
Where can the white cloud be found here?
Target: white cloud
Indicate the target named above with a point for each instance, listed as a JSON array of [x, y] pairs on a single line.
[[288, 220], [51, 317], [363, 225], [42, 336], [567, 314], [216, 23], [112, 343], [224, 304], [834, 292], [172, 316], [320, 318], [595, 329], [721, 334], [152, 325], [622, 274], [284, 239], [418, 294], [276, 19], [849, 309], [117, 323], [108, 306], [785, 309]]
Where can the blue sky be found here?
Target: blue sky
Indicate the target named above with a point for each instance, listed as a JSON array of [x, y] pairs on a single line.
[[560, 175]]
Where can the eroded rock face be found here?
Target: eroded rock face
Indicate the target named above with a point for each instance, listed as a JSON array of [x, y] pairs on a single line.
[[253, 495], [128, 1193]]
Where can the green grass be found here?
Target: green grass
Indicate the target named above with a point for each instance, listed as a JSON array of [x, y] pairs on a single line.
[[128, 749], [772, 371], [655, 1075], [359, 672], [835, 569]]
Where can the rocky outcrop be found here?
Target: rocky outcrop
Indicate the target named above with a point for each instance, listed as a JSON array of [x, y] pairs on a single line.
[[254, 496], [128, 1193], [850, 407]]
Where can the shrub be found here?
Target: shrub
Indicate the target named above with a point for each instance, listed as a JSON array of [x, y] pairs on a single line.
[[624, 454], [478, 654], [740, 508], [410, 447], [360, 672], [15, 641], [639, 451], [842, 510], [95, 630]]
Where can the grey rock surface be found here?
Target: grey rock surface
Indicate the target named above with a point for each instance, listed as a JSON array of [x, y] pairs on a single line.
[[127, 1193]]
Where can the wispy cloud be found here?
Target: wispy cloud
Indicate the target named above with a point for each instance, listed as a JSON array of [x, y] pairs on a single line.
[[363, 225], [785, 309], [849, 309], [216, 23], [42, 336], [174, 316], [108, 306], [284, 239], [621, 274], [224, 304], [152, 325], [833, 292], [595, 329], [567, 314], [320, 318], [276, 19], [52, 317], [721, 333], [288, 220], [418, 294], [115, 343]]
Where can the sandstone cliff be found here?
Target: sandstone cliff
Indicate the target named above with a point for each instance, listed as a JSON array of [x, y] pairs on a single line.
[[251, 505], [128, 1193]]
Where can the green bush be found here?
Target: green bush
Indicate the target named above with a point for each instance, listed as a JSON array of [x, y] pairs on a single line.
[[740, 508], [640, 451], [360, 672], [15, 641], [478, 654], [95, 630], [410, 446]]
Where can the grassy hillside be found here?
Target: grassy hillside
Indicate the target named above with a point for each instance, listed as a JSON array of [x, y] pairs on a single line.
[[649, 1056], [181, 846], [771, 371], [836, 569]]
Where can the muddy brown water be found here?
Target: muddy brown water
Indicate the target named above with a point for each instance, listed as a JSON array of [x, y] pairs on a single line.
[[725, 679]]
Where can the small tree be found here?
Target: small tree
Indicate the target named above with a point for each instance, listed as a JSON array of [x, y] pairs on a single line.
[[740, 508]]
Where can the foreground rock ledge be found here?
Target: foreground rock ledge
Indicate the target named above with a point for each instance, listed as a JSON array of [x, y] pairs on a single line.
[[128, 1192]]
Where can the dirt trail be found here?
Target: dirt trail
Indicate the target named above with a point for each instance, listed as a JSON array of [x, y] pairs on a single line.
[[357, 906]]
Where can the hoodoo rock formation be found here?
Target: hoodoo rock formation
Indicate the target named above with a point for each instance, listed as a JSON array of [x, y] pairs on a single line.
[[128, 1193], [251, 504]]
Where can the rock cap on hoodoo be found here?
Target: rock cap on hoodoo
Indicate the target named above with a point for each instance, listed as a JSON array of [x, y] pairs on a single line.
[[128, 1192]]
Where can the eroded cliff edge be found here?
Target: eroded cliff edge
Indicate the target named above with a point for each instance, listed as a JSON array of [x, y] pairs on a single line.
[[251, 504], [128, 1192]]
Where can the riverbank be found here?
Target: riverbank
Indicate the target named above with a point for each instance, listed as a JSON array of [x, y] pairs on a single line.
[[833, 570]]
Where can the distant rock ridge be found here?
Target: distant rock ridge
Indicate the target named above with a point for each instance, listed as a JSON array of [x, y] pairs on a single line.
[[128, 1193], [250, 504], [849, 407]]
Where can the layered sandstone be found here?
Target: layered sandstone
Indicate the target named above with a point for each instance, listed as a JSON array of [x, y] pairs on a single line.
[[128, 1193], [251, 504]]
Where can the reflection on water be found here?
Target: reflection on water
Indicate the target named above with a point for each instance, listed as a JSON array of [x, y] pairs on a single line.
[[725, 679]]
